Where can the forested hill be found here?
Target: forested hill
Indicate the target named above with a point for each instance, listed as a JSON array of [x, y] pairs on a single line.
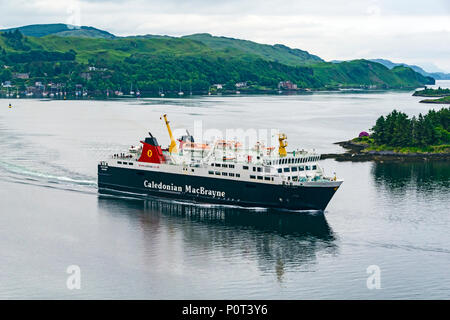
[[61, 29], [196, 63], [278, 52]]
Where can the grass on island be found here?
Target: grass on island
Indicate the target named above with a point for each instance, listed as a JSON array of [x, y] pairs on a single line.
[[369, 145], [445, 99], [439, 92]]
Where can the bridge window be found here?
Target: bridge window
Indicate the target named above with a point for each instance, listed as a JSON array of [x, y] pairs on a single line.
[[217, 173], [252, 177], [119, 162], [224, 165], [280, 170], [286, 170], [308, 168], [237, 175], [294, 169], [224, 173], [231, 174], [301, 168], [259, 169], [245, 167], [267, 178], [231, 166], [211, 172], [260, 178], [314, 167]]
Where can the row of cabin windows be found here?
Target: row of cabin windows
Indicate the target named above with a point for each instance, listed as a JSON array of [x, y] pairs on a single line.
[[295, 169], [261, 178], [229, 174], [292, 160], [255, 169], [223, 165], [129, 163]]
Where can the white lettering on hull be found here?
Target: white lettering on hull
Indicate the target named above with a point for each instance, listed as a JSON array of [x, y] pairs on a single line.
[[188, 189]]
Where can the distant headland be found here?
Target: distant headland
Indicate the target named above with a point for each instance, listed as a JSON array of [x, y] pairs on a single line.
[[61, 61]]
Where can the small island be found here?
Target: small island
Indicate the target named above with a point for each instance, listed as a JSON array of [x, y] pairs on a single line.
[[443, 95], [442, 100], [398, 137]]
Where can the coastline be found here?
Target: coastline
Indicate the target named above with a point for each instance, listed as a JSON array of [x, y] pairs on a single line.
[[354, 152], [71, 97], [436, 101]]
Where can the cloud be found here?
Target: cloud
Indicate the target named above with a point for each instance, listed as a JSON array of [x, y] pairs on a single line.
[[405, 31]]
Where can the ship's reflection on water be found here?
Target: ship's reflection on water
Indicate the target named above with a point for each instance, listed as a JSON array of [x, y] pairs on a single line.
[[276, 241]]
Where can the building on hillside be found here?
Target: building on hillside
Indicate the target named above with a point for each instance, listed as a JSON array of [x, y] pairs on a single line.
[[241, 84], [218, 86], [93, 68], [287, 85], [21, 76], [85, 75]]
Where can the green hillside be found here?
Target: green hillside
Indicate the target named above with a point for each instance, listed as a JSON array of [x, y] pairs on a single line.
[[435, 75], [366, 73], [61, 29], [278, 53], [165, 63]]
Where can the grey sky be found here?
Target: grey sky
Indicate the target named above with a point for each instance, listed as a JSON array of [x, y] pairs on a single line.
[[416, 32]]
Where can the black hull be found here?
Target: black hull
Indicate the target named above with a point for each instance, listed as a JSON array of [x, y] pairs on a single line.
[[229, 192]]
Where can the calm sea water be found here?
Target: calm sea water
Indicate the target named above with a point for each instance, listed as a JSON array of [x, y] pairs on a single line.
[[392, 215]]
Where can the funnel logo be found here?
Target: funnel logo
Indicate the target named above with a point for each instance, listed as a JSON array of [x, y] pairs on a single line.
[[149, 153]]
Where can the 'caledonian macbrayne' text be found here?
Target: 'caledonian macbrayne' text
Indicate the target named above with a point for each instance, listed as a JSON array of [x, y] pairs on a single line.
[[187, 189]]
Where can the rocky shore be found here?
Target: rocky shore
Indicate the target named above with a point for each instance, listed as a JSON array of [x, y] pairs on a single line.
[[355, 152]]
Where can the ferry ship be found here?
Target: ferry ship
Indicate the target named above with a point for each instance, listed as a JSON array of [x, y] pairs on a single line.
[[223, 172]]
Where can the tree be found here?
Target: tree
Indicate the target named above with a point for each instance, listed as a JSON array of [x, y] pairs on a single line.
[[379, 131]]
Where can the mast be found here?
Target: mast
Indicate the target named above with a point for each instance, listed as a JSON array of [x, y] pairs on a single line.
[[283, 144], [173, 144]]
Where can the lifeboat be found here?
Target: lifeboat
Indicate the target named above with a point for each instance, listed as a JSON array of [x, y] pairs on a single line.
[[133, 149], [194, 145]]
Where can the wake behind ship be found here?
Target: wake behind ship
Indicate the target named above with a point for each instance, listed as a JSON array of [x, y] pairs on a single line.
[[223, 172]]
